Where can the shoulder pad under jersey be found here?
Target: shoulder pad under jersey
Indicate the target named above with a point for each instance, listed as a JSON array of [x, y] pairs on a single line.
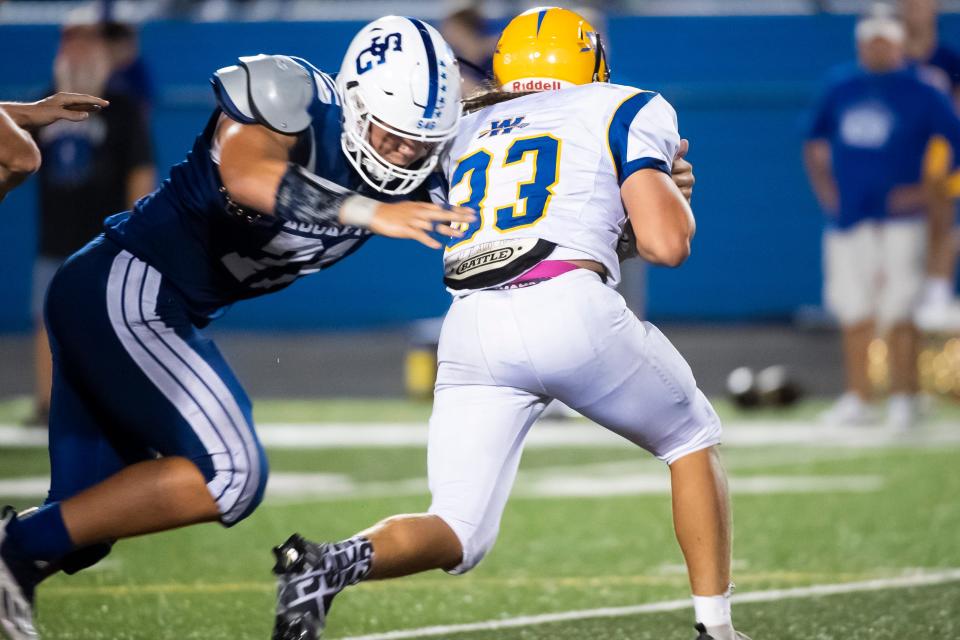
[[272, 90]]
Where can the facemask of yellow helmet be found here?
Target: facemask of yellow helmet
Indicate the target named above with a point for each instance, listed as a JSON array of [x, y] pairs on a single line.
[[549, 48]]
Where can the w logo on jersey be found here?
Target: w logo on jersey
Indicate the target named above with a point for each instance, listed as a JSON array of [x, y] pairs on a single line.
[[504, 126], [377, 52]]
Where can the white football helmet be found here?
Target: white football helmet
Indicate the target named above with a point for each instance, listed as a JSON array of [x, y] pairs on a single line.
[[402, 75]]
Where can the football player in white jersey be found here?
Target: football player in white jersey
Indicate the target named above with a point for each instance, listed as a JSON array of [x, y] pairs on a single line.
[[558, 162]]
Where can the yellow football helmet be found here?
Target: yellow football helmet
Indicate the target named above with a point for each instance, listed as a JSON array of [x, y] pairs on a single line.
[[549, 48]]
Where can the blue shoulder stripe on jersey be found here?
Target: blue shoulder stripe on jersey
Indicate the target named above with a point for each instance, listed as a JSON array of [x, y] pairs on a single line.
[[306, 64], [431, 67], [227, 105], [618, 134], [636, 164], [540, 17]]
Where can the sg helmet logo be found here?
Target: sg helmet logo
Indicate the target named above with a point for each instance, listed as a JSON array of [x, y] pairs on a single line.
[[377, 52]]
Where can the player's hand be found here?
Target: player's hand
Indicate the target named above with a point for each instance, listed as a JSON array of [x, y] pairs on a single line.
[[682, 171], [416, 220], [63, 106]]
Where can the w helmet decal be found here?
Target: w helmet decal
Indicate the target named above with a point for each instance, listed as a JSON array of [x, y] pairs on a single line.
[[378, 51]]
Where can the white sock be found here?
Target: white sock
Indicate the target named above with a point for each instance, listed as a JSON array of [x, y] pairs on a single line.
[[712, 611], [939, 291]]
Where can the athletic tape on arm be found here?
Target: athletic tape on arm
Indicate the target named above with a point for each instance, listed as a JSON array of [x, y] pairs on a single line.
[[304, 197]]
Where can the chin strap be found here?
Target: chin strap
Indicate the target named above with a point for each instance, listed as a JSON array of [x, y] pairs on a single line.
[[600, 58]]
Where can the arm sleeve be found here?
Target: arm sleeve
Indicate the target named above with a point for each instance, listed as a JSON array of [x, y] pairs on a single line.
[[643, 135]]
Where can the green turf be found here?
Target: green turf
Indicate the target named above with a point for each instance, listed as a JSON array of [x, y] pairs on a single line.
[[554, 555], [18, 409]]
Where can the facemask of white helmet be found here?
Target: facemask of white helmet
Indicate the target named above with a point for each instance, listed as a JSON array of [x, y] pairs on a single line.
[[399, 75]]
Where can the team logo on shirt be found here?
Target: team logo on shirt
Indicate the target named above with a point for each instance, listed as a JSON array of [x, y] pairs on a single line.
[[505, 126], [867, 126]]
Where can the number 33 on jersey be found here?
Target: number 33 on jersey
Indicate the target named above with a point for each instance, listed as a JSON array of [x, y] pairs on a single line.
[[549, 166]]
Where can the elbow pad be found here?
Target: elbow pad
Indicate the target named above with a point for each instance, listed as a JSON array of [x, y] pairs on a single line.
[[305, 198]]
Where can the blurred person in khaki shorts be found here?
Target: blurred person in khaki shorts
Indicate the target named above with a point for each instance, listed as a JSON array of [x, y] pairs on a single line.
[[865, 156]]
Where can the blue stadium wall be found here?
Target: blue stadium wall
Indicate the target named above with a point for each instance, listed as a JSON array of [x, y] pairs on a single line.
[[741, 86]]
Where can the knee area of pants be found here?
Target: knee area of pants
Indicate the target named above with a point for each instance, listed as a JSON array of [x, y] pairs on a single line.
[[475, 548], [474, 541], [252, 495]]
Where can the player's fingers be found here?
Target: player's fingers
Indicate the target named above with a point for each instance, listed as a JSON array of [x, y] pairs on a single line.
[[448, 231], [420, 223], [74, 116], [425, 239], [684, 148], [82, 107], [449, 208], [457, 214], [79, 101]]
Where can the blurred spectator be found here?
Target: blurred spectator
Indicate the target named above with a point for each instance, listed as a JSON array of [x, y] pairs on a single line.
[[864, 156], [91, 169], [19, 155], [471, 38], [939, 65], [130, 75]]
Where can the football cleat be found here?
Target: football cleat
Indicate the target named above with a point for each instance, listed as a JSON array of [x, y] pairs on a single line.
[[309, 576], [16, 590], [725, 632]]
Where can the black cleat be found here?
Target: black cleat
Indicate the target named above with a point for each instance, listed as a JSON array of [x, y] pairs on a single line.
[[309, 576]]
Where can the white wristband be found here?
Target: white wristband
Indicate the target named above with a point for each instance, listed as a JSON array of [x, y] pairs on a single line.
[[358, 211]]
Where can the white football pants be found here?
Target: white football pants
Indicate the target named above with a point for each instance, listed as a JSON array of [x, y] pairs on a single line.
[[504, 355]]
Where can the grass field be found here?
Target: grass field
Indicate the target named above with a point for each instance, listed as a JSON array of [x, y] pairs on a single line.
[[589, 527]]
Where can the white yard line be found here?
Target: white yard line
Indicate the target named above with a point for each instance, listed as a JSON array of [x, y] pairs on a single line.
[[772, 595], [290, 488], [548, 433]]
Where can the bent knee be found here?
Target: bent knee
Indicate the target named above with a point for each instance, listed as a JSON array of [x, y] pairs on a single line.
[[701, 430], [475, 539], [236, 480]]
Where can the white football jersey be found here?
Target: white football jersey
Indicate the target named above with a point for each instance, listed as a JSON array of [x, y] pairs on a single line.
[[549, 166]]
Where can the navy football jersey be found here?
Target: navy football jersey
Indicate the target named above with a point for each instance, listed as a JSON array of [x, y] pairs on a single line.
[[215, 258]]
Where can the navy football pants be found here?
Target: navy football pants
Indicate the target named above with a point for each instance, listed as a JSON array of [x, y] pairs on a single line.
[[134, 379]]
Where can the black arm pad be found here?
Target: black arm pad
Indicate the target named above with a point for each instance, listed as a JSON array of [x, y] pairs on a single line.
[[307, 198]]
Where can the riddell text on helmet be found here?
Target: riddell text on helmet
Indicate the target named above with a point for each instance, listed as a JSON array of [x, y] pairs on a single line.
[[536, 85]]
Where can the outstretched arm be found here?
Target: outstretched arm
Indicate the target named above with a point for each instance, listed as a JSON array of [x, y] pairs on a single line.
[[19, 155], [60, 106], [256, 171]]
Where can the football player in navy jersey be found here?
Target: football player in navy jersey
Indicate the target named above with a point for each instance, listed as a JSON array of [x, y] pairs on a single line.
[[149, 428]]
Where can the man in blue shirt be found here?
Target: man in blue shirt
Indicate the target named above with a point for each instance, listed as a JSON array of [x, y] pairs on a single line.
[[864, 155]]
